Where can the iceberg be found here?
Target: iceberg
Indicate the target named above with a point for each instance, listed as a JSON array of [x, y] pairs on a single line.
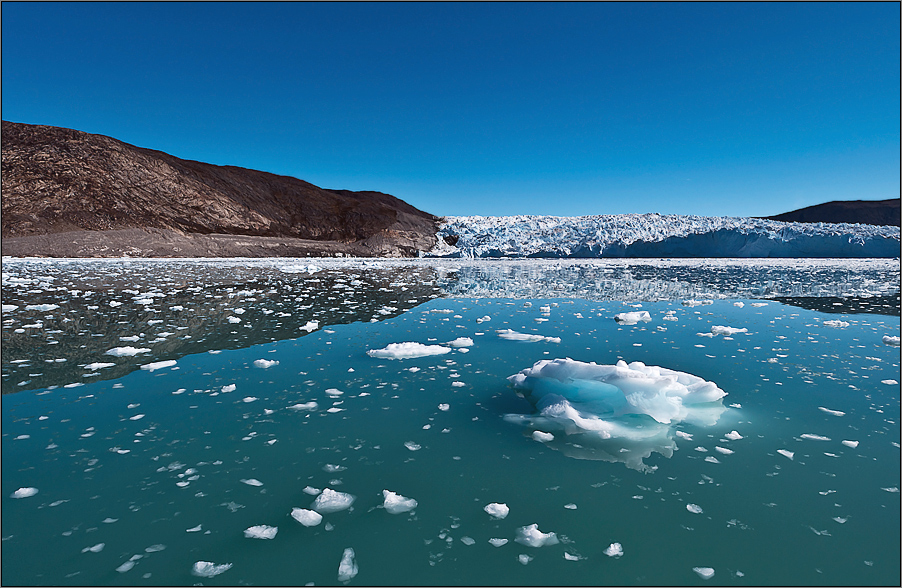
[[657, 235], [308, 518], [617, 413], [408, 350], [332, 501], [631, 318], [497, 510], [532, 537], [396, 504], [207, 569], [347, 568]]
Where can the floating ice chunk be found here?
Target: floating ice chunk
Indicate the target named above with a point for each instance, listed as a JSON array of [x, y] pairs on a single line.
[[684, 435], [252, 482], [234, 320], [892, 489], [228, 388], [532, 537], [127, 351], [786, 453], [98, 365], [261, 532], [890, 340], [723, 450], [334, 392], [311, 490], [24, 492], [511, 335], [524, 559], [759, 304], [497, 542], [249, 399], [836, 323], [694, 508], [570, 506], [334, 409], [308, 518], [733, 436], [310, 326], [697, 302], [461, 342], [347, 569], [889, 382], [42, 307], [614, 550], [207, 569], [265, 363], [728, 331], [704, 573], [467, 540], [332, 501], [136, 417], [852, 444], [833, 412], [444, 407], [9, 307], [739, 304], [412, 446], [194, 529], [408, 350], [631, 318], [484, 319], [396, 504], [125, 566], [712, 459], [95, 548], [499, 510], [312, 405], [542, 436], [814, 437], [158, 365]]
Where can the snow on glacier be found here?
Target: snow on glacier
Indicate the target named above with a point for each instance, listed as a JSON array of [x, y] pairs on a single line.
[[657, 235]]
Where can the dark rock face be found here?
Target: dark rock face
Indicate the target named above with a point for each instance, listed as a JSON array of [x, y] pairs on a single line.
[[866, 212], [58, 180]]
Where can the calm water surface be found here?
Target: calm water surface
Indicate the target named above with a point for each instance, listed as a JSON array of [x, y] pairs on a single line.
[[114, 473]]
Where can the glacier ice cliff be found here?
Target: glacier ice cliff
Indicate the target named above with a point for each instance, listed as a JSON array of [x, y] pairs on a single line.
[[657, 235]]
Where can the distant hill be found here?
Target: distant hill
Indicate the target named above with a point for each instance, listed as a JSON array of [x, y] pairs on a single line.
[[866, 212], [69, 193]]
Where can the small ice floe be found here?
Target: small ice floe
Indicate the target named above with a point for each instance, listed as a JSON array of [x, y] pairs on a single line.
[[532, 537], [407, 350], [467, 540], [42, 307], [542, 436], [631, 318], [524, 559], [614, 550], [704, 573], [127, 351], [890, 340], [727, 331], [712, 459], [228, 388], [308, 518], [852, 444], [24, 492], [786, 453], [759, 304], [511, 335], [334, 409], [833, 412], [334, 392], [208, 569], [265, 363], [249, 399], [158, 365], [840, 520], [444, 407], [497, 542], [684, 435], [570, 557], [310, 326], [311, 490], [196, 529], [497, 510], [396, 504], [136, 417], [836, 323], [735, 405], [813, 437], [234, 320], [312, 405], [261, 532], [694, 508], [733, 436], [332, 501], [484, 319], [412, 446], [570, 506], [461, 342], [723, 450], [347, 568], [892, 489], [94, 548], [9, 307], [739, 304], [889, 382], [98, 365], [252, 482]]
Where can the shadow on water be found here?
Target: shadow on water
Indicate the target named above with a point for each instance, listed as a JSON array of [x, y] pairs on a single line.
[[888, 305]]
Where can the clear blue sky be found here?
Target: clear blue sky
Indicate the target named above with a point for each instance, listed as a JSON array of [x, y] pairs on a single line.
[[558, 108]]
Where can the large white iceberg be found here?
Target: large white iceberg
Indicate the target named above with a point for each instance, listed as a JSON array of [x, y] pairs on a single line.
[[618, 413]]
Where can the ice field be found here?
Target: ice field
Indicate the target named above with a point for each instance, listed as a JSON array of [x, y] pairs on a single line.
[[450, 422]]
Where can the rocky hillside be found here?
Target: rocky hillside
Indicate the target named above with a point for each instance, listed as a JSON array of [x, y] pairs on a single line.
[[866, 212], [63, 188]]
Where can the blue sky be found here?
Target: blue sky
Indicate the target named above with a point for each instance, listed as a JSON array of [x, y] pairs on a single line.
[[494, 109]]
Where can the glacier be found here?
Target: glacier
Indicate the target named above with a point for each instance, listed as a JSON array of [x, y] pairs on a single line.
[[657, 235]]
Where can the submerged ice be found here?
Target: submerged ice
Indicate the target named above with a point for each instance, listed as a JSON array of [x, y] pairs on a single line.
[[619, 413]]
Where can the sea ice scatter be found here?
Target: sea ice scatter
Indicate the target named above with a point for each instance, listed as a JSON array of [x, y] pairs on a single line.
[[532, 537], [261, 532], [497, 509], [332, 501], [704, 573], [614, 550], [396, 504], [265, 363], [461, 342], [408, 350], [24, 492], [308, 518], [890, 340], [694, 508], [347, 569], [127, 351], [631, 318], [158, 365], [511, 335], [786, 453], [208, 569]]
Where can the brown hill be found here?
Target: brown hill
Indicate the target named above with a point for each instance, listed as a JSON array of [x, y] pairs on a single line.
[[69, 193], [866, 212]]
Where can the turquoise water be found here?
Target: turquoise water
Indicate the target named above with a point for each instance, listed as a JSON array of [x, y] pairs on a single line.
[[141, 474]]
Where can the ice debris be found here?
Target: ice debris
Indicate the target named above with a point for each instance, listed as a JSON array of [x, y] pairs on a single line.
[[207, 569], [532, 537], [694, 508], [497, 542], [265, 363], [347, 568], [158, 365], [332, 501], [786, 453], [542, 436], [833, 412], [511, 335], [396, 504], [408, 350], [614, 550], [461, 342], [24, 492], [261, 532], [728, 331], [497, 509], [704, 573], [308, 518], [631, 318], [127, 351]]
